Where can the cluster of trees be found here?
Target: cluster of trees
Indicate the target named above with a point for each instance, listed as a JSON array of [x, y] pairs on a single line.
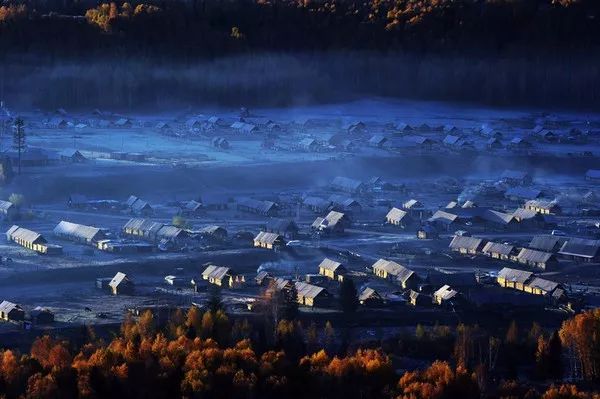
[[204, 27], [204, 355], [107, 16], [12, 12]]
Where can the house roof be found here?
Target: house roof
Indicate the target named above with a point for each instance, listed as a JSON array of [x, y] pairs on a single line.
[[368, 293], [445, 293], [75, 230], [490, 215], [308, 290], [5, 205], [7, 307], [316, 202], [515, 275], [543, 284], [267, 238], [580, 247], [524, 214], [329, 221], [396, 214], [451, 139], [261, 206], [401, 273], [24, 234], [332, 265], [469, 243], [215, 272], [412, 203], [442, 216], [532, 255], [118, 279], [545, 242], [541, 203], [193, 205], [212, 229], [498, 248]]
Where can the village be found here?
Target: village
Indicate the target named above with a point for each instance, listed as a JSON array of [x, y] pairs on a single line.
[[473, 221]]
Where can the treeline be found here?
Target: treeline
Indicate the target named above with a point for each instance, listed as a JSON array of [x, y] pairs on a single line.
[[202, 27], [206, 355]]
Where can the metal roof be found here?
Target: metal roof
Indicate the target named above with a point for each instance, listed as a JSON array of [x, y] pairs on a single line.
[[329, 264], [267, 238], [546, 242], [308, 290], [24, 234], [396, 214], [7, 307], [515, 275], [118, 279], [470, 243], [215, 272], [497, 248], [532, 255], [401, 273], [77, 231], [445, 293], [580, 247], [543, 284]]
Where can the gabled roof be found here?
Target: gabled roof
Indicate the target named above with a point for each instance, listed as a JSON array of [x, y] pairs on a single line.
[[580, 247], [543, 284], [261, 206], [524, 214], [281, 225], [368, 293], [532, 255], [7, 307], [24, 234], [215, 272], [308, 290], [541, 203], [412, 204], [329, 221], [118, 279], [392, 268], [5, 205], [442, 216], [267, 238], [515, 275], [445, 293], [332, 265], [498, 248], [75, 230], [451, 139], [193, 205], [546, 242], [396, 214], [316, 202], [493, 216], [469, 243]]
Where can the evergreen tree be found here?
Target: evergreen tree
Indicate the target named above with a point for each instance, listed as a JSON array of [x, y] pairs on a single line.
[[19, 139], [348, 296]]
